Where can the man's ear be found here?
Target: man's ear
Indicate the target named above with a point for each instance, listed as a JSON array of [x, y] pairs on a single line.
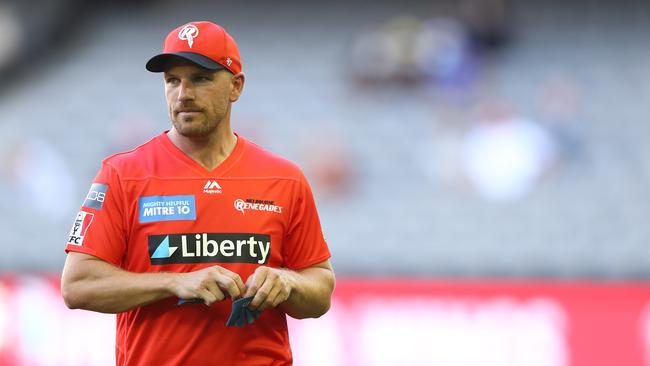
[[236, 86]]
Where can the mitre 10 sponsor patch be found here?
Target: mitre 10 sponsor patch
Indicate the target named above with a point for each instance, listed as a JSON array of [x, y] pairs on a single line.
[[166, 208], [209, 248]]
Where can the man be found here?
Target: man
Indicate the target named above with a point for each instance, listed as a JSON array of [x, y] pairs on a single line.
[[198, 213]]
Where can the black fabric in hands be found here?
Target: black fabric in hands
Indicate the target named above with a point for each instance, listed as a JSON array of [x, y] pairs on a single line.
[[190, 301], [240, 314]]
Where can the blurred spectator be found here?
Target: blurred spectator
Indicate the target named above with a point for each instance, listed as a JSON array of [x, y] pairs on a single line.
[[408, 51], [379, 56], [504, 155], [559, 105], [488, 23], [9, 36], [443, 54]]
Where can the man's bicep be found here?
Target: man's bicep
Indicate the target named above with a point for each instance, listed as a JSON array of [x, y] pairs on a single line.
[[80, 266], [77, 262]]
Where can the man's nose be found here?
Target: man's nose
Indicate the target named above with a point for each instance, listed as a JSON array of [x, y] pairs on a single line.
[[186, 91]]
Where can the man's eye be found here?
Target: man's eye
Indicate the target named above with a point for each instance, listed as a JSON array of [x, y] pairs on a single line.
[[201, 79], [171, 80]]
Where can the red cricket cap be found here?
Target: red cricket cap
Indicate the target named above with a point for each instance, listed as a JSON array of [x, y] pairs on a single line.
[[204, 43]]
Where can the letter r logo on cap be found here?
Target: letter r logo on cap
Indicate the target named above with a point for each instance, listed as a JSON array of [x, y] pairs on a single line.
[[188, 33]]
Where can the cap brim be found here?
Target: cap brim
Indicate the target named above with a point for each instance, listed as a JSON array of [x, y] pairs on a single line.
[[159, 62]]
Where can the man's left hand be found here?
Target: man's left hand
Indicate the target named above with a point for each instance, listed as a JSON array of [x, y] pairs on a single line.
[[270, 286]]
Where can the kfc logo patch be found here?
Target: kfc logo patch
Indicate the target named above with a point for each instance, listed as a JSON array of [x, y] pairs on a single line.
[[79, 227]]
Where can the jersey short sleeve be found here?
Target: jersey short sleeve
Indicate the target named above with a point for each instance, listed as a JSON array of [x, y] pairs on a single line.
[[305, 244], [99, 227]]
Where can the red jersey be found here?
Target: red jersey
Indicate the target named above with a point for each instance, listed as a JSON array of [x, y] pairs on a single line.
[[154, 209]]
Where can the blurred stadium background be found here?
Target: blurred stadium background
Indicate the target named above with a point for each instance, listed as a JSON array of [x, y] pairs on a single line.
[[480, 167]]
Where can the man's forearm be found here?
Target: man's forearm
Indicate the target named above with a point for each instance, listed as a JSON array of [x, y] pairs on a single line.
[[311, 292], [99, 286]]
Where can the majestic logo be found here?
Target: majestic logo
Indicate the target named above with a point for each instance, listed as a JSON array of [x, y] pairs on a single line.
[[166, 208], [211, 187], [79, 227], [256, 205], [209, 248], [228, 61], [96, 196], [188, 33]]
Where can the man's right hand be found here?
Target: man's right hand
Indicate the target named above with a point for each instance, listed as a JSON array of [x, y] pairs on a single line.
[[210, 284]]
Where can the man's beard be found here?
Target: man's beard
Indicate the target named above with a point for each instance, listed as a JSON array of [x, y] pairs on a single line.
[[195, 129]]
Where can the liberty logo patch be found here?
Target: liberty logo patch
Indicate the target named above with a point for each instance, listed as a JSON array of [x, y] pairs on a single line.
[[79, 227], [209, 248], [166, 208]]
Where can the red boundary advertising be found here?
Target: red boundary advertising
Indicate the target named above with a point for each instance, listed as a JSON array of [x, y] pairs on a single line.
[[384, 321]]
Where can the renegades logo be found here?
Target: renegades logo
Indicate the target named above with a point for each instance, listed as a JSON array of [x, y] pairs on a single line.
[[188, 33], [209, 248], [256, 205]]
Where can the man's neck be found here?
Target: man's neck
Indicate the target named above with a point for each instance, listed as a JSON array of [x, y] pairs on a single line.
[[207, 151]]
